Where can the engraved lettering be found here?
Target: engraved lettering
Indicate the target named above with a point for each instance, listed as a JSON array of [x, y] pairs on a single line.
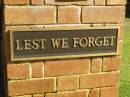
[[55, 43], [83, 42], [42, 41], [98, 41], [64, 43], [106, 41], [67, 44], [35, 44], [112, 40], [91, 41], [75, 42], [18, 48], [27, 44]]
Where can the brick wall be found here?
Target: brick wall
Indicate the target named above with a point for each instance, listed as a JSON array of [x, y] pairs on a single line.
[[77, 77]]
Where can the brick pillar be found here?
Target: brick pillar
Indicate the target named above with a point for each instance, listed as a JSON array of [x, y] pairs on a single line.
[[76, 77]]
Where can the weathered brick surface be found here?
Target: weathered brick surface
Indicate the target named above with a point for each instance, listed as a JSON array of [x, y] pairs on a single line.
[[37, 2], [67, 67], [120, 47], [24, 96], [37, 70], [68, 83], [16, 1], [111, 63], [122, 31], [30, 15], [18, 71], [24, 87], [80, 77], [116, 2], [69, 14], [94, 93], [96, 65], [101, 14], [69, 94], [82, 2], [99, 80], [116, 62], [100, 2], [39, 95], [110, 92]]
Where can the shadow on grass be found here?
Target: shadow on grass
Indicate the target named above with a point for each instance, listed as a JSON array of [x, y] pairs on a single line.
[[128, 10], [128, 14]]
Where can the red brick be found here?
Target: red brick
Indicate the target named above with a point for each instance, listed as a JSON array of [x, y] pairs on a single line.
[[16, 1], [67, 67], [69, 94], [94, 93], [100, 2], [101, 14], [25, 87], [111, 63], [99, 80], [122, 31], [67, 14], [110, 92], [120, 47], [39, 95], [107, 64], [116, 61], [30, 15], [18, 71], [116, 2], [37, 2], [71, 2], [24, 96], [68, 83], [37, 70], [96, 65]]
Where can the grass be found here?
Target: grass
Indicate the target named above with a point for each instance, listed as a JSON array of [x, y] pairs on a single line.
[[125, 67], [126, 54]]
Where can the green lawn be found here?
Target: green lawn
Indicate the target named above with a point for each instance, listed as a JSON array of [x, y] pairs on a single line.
[[126, 54], [125, 67]]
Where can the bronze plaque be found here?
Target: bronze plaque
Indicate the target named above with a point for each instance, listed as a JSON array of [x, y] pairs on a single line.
[[53, 44]]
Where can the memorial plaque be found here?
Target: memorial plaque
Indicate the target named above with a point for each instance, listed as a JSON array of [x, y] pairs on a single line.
[[53, 44]]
